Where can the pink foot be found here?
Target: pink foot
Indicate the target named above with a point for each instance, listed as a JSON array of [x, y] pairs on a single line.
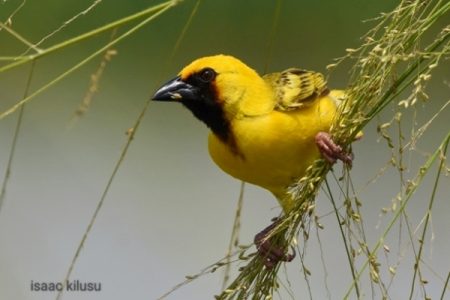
[[330, 151], [270, 253]]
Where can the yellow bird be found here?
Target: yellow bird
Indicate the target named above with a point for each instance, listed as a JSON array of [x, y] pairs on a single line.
[[264, 130]]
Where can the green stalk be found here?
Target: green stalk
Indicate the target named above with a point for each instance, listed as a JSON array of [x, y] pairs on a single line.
[[90, 34], [401, 84], [427, 219], [409, 192], [347, 249], [12, 109], [445, 286], [19, 37], [12, 150]]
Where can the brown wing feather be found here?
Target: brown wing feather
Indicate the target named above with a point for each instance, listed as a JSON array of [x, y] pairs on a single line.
[[295, 88]]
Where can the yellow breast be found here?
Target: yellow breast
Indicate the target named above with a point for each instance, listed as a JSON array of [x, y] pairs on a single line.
[[276, 148]]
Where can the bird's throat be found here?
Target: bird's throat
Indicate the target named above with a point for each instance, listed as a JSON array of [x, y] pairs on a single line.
[[212, 114]]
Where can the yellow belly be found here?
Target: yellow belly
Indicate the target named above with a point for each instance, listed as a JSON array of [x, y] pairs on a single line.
[[275, 149]]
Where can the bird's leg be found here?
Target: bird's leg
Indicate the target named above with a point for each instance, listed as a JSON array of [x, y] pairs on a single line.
[[330, 150], [270, 253]]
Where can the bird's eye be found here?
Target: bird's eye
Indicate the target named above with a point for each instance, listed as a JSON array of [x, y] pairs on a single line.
[[207, 75]]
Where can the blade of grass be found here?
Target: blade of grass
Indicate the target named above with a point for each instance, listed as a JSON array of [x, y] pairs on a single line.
[[86, 60], [92, 33], [234, 239], [12, 151], [445, 286], [427, 219], [20, 38], [66, 23], [182, 34], [11, 16], [347, 250], [272, 34], [405, 200], [10, 58]]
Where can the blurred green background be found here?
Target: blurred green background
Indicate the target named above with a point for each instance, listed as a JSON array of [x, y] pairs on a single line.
[[170, 210]]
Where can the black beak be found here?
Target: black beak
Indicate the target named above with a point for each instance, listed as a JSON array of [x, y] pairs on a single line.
[[176, 90]]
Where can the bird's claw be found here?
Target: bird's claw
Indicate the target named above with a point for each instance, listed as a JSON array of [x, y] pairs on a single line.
[[270, 253], [330, 150]]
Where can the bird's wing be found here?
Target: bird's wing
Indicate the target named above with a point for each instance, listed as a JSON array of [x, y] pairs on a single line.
[[296, 88]]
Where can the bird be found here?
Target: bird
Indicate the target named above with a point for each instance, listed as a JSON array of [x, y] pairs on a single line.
[[264, 130]]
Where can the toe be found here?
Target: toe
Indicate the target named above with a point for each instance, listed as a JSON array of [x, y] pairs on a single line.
[[330, 150], [270, 253]]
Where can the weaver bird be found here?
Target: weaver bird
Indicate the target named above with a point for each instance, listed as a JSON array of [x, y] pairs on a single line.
[[264, 130]]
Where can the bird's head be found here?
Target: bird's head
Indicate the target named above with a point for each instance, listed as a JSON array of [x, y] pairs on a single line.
[[218, 89]]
